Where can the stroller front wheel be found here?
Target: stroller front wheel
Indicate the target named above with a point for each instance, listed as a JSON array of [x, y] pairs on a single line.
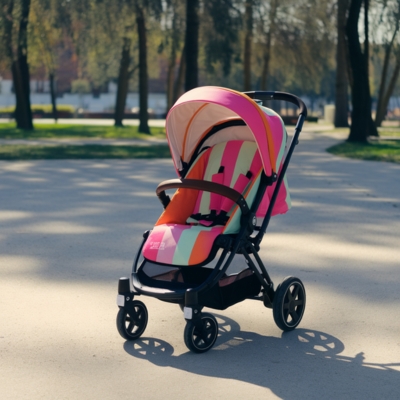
[[199, 338], [132, 321], [289, 303]]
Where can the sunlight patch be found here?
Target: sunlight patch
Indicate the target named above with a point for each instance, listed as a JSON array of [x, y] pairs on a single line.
[[8, 215], [63, 228]]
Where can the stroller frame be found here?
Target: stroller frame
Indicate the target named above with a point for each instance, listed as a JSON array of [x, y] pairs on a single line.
[[287, 300]]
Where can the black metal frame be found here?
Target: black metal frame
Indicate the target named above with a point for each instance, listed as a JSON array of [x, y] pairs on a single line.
[[241, 243]]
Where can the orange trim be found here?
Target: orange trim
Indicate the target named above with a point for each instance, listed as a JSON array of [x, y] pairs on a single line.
[[184, 200], [271, 147], [187, 129], [202, 242]]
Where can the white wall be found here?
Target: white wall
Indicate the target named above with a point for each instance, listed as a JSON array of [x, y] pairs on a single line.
[[105, 102]]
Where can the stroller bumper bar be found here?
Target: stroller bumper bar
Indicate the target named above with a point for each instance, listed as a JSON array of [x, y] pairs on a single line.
[[208, 186]]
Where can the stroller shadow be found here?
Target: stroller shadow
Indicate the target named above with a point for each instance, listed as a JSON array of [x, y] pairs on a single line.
[[300, 364]]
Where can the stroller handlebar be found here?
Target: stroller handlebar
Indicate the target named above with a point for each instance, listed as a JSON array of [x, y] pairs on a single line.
[[283, 96], [208, 186]]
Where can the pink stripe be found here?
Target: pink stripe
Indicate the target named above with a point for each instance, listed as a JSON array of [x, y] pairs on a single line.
[[153, 243], [277, 133], [256, 164], [280, 206], [171, 238], [240, 185], [229, 159]]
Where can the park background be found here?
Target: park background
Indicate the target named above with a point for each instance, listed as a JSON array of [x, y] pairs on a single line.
[[133, 58], [70, 228]]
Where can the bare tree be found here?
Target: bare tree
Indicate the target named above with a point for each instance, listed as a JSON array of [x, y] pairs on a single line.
[[268, 32], [192, 44], [342, 82], [248, 41], [14, 22], [387, 82], [362, 125]]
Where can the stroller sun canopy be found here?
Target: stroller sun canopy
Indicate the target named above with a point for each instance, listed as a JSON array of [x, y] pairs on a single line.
[[196, 112]]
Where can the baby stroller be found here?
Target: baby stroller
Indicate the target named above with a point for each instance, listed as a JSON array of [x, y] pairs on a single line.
[[231, 156]]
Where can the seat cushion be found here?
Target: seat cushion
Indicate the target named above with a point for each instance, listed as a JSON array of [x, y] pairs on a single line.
[[175, 244]]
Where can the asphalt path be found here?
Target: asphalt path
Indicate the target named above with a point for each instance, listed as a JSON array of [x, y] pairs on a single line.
[[69, 229]]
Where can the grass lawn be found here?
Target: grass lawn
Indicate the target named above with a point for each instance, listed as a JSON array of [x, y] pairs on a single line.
[[62, 131], [389, 132], [384, 150], [383, 132], [20, 152]]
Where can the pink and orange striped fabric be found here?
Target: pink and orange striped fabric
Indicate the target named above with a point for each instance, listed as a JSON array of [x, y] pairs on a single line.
[[177, 238]]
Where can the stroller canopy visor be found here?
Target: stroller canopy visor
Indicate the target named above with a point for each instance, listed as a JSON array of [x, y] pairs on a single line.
[[197, 111]]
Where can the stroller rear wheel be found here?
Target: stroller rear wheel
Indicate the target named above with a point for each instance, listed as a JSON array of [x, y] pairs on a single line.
[[200, 339], [289, 303], [132, 321]]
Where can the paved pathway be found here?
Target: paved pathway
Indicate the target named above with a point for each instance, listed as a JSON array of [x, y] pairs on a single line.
[[69, 230]]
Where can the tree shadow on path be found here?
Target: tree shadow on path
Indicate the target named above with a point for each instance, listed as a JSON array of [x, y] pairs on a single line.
[[300, 364]]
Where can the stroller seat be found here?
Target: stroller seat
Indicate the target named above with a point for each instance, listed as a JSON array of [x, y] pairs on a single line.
[[185, 233]]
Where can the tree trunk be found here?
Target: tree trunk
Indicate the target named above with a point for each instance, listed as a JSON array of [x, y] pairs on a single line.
[[372, 127], [388, 94], [179, 84], [248, 21], [362, 125], [192, 44], [123, 82], [143, 75], [381, 107], [20, 72], [53, 96], [366, 35], [172, 63], [341, 94], [267, 49], [171, 79]]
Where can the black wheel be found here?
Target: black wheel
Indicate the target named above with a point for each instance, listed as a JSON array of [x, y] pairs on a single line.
[[201, 340], [132, 322], [289, 303]]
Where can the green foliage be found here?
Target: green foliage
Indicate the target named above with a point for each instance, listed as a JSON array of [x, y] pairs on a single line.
[[19, 152], [80, 86], [47, 108], [221, 24], [376, 151], [302, 53], [73, 131]]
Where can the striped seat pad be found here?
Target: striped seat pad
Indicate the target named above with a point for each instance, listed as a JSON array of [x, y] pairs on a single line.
[[180, 239], [180, 244]]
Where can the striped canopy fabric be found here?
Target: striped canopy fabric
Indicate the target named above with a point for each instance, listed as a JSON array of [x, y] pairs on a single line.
[[200, 109]]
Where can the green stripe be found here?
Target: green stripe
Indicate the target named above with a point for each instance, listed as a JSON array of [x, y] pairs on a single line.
[[234, 224], [186, 243], [243, 161]]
